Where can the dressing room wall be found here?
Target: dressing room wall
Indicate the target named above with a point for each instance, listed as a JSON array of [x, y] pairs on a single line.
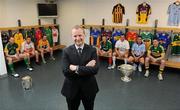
[[72, 11]]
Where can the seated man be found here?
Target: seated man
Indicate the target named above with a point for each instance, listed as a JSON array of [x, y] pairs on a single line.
[[137, 53], [28, 48], [12, 53], [43, 46], [155, 54], [121, 50], [106, 50]]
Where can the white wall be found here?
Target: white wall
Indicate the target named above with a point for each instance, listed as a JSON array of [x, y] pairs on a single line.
[[3, 70], [26, 10], [72, 11]]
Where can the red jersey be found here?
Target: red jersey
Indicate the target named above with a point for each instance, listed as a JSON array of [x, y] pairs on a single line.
[[38, 35], [131, 37]]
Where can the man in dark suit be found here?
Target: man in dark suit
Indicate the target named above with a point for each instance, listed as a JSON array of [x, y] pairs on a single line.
[[79, 67]]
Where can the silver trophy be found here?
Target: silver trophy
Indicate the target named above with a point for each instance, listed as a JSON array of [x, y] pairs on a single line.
[[127, 70]]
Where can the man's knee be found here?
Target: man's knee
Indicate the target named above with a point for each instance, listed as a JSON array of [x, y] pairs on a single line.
[[110, 54], [162, 61], [147, 59], [114, 53], [9, 60]]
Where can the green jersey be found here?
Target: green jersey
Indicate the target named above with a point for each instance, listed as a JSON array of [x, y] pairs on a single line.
[[176, 45], [11, 48], [156, 51], [48, 33], [105, 46], [147, 38], [31, 34]]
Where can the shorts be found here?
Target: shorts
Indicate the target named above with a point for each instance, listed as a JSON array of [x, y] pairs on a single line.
[[55, 39], [44, 47]]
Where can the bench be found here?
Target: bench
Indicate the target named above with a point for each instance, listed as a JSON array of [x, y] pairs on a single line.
[[57, 47], [170, 64]]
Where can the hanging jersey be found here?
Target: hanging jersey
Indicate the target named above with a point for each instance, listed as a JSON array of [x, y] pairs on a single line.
[[115, 36], [30, 33], [164, 39], [11, 48], [18, 39], [5, 39], [174, 14], [87, 38], [176, 45], [131, 37], [55, 35], [48, 33], [107, 33], [156, 51], [43, 44], [22, 31], [143, 12], [43, 31], [147, 38], [105, 46], [118, 11], [95, 37], [38, 36], [27, 47]]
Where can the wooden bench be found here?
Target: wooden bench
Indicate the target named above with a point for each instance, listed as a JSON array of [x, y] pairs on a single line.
[[170, 64], [57, 47]]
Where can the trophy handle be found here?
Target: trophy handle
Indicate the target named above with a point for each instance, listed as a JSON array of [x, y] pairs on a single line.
[[119, 67]]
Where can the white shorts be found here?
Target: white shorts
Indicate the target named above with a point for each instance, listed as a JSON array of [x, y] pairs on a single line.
[[55, 39]]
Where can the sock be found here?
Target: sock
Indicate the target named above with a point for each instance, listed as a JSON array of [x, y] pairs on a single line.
[[147, 68], [11, 67], [110, 60], [52, 55], [26, 62], [114, 60], [160, 71], [125, 60], [43, 59]]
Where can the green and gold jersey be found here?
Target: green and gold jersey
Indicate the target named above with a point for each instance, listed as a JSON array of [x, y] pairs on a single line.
[[105, 46], [176, 45], [11, 48], [147, 38], [156, 52]]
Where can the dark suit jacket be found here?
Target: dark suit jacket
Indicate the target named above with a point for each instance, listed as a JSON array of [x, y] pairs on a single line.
[[85, 80]]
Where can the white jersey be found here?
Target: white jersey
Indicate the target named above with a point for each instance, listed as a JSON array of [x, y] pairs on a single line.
[[122, 46], [55, 35], [25, 46]]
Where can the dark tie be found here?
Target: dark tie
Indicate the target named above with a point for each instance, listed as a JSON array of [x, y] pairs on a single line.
[[80, 51]]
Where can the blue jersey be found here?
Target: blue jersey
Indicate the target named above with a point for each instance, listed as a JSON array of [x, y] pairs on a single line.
[[116, 35], [138, 49], [164, 39], [174, 14], [95, 34]]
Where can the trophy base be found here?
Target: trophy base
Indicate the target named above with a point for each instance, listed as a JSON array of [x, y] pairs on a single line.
[[126, 79]]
